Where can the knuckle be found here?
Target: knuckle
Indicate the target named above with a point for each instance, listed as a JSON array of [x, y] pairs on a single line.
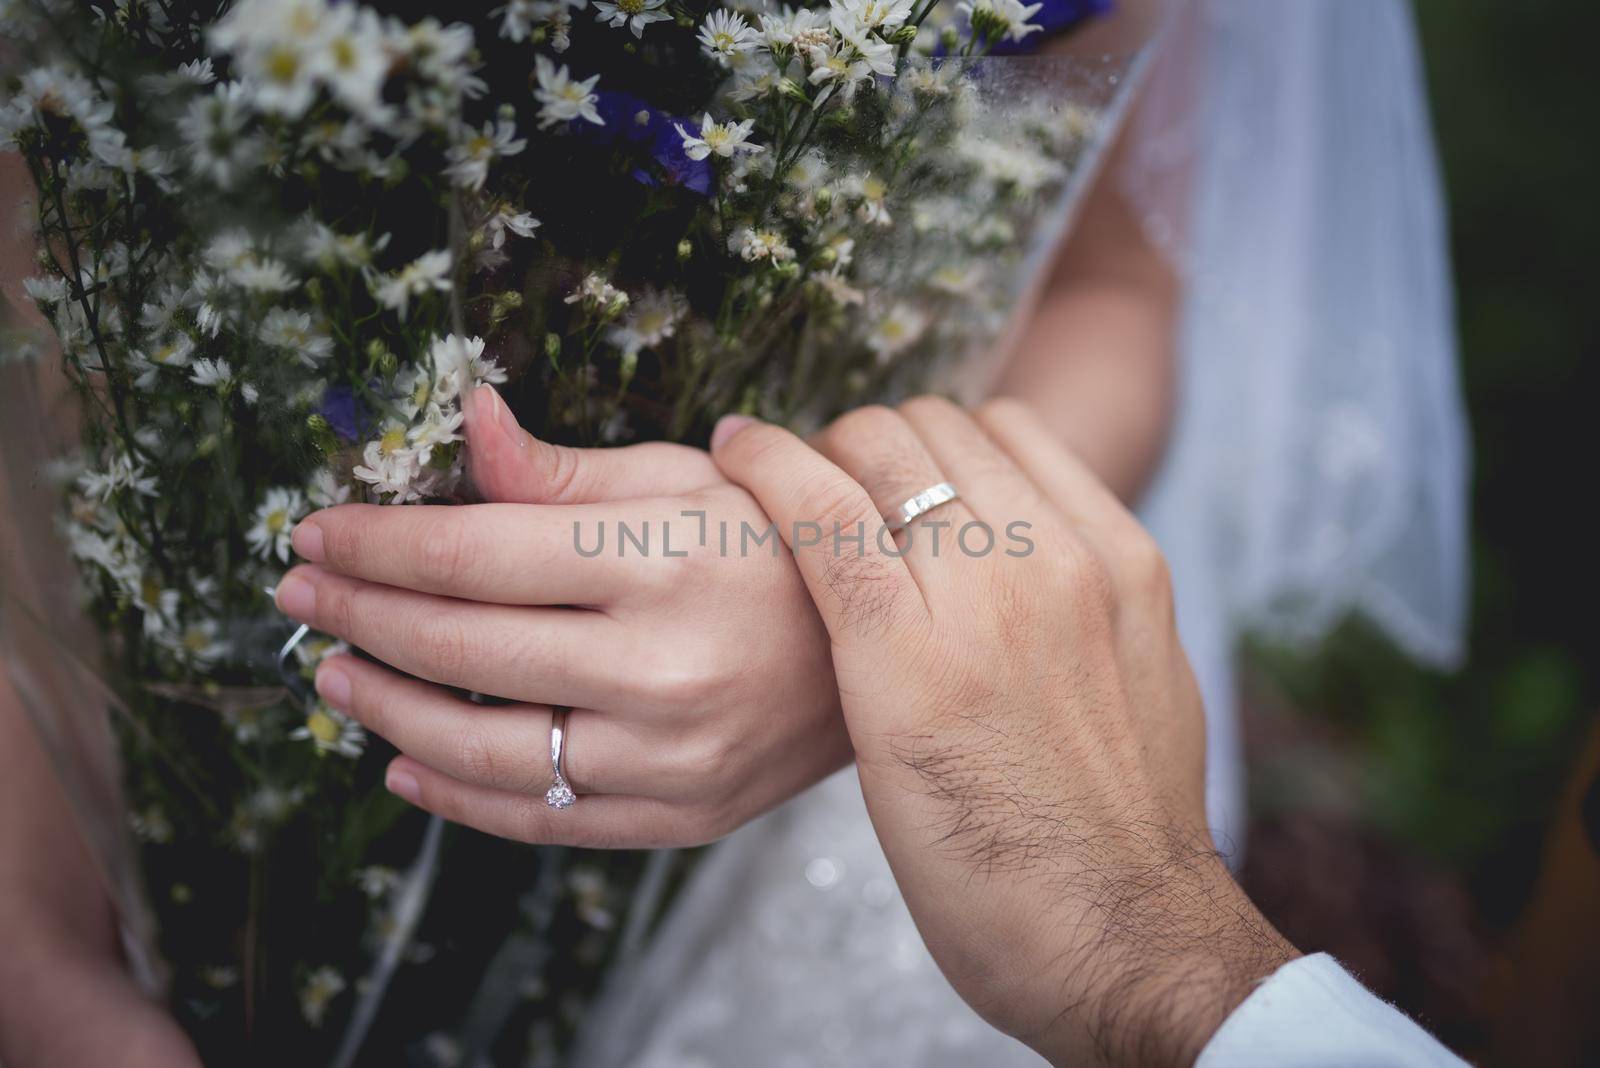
[[686, 682], [860, 426], [930, 404], [1146, 565], [439, 639], [441, 549], [833, 500], [476, 758], [560, 467], [1005, 410]]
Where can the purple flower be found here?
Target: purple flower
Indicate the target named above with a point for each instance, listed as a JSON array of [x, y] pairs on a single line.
[[634, 122], [344, 412]]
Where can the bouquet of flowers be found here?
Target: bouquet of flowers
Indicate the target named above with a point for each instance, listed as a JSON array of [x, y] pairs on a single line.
[[281, 241]]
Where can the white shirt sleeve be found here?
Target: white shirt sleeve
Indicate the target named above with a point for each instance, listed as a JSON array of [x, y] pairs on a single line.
[[1311, 1013]]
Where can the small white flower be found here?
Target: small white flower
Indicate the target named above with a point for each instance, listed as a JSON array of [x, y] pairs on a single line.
[[505, 221], [275, 518], [721, 138], [753, 244], [328, 248], [597, 294], [561, 98], [651, 320], [801, 30], [1006, 19], [471, 157], [427, 273], [853, 18], [459, 367], [199, 643], [377, 881], [351, 56], [284, 328], [324, 490], [208, 372], [635, 14], [839, 66], [896, 332], [331, 731], [215, 140], [321, 987], [390, 466], [726, 34], [45, 290]]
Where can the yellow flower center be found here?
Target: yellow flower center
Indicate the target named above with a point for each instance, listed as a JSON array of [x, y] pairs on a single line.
[[393, 441], [344, 53], [276, 521], [631, 7], [322, 727], [282, 65], [195, 640]]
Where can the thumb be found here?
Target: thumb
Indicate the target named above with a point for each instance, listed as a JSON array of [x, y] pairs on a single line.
[[511, 466]]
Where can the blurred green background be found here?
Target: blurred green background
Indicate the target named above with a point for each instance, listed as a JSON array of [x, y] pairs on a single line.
[[1459, 763], [1457, 775]]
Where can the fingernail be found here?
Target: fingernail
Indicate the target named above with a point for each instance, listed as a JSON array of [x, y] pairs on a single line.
[[726, 428], [403, 786], [496, 407], [333, 685], [297, 598], [307, 540]]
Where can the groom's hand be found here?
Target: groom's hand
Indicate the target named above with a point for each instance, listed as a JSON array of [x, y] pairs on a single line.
[[699, 680], [1027, 730]]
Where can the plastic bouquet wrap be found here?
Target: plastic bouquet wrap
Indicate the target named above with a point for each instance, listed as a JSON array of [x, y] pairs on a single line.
[[279, 242]]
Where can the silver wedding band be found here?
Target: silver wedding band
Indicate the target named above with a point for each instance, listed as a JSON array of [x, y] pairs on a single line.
[[921, 505], [560, 794]]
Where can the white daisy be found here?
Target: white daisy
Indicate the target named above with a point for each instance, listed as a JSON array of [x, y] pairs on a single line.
[[753, 244], [1001, 18], [427, 273], [275, 518], [321, 987], [470, 157], [389, 465], [331, 731], [596, 294], [721, 138], [284, 328], [561, 98], [801, 30], [635, 14], [853, 18], [896, 332], [726, 34], [505, 221], [208, 372], [651, 320], [324, 490]]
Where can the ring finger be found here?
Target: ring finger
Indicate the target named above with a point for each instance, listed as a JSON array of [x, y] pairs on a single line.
[[504, 747], [880, 450]]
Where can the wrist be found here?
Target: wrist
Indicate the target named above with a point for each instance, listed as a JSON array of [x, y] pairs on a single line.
[[1167, 968]]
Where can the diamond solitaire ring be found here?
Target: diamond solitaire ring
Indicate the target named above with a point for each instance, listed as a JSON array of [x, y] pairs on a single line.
[[560, 794]]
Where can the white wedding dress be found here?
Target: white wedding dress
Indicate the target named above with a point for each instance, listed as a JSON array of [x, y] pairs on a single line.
[[1282, 156]]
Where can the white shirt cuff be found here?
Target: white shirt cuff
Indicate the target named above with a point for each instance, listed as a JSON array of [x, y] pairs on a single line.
[[1311, 1013]]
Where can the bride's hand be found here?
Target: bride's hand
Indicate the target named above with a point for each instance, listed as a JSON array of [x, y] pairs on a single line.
[[701, 685]]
